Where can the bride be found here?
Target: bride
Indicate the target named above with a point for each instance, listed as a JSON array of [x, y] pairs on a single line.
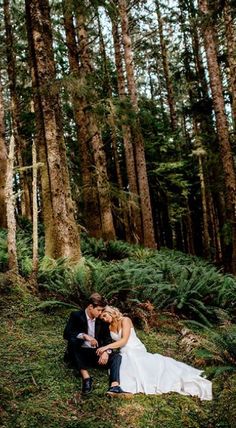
[[141, 371]]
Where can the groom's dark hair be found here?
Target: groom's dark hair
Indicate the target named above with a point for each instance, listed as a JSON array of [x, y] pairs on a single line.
[[97, 300]]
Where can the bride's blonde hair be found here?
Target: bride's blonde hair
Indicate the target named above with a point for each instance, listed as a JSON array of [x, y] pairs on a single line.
[[114, 312]]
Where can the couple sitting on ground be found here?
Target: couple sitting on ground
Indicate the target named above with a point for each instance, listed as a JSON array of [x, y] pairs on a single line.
[[93, 336]]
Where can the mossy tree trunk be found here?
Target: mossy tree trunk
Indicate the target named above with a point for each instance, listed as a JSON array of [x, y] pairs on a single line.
[[94, 136], [134, 206], [56, 193], [140, 161], [209, 33], [121, 207], [89, 192], [10, 203], [3, 164], [230, 31], [15, 112], [166, 69]]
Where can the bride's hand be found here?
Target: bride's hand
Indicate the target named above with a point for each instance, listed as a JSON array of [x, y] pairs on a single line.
[[101, 350], [103, 359]]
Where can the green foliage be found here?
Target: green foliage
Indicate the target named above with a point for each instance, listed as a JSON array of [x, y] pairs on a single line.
[[226, 294], [186, 290], [112, 250], [3, 251], [121, 281], [49, 304], [124, 273], [219, 350], [24, 247], [54, 275], [92, 246], [24, 253]]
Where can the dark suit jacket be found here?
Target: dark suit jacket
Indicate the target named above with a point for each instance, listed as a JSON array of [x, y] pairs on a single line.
[[78, 324]]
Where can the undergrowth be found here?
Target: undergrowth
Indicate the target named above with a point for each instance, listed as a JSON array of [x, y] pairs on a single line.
[[187, 286]]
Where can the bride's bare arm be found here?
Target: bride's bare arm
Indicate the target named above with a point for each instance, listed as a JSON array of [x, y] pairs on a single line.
[[125, 332]]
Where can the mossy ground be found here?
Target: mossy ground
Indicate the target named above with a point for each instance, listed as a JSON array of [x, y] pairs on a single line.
[[38, 391]]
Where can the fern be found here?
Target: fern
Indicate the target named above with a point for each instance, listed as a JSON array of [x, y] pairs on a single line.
[[220, 349], [48, 304]]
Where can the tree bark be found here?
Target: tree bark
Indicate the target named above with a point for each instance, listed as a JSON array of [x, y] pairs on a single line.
[[94, 137], [89, 190], [222, 126], [15, 112], [35, 212], [166, 69], [134, 211], [231, 54], [52, 149], [189, 229], [3, 164], [11, 220], [206, 237], [144, 194]]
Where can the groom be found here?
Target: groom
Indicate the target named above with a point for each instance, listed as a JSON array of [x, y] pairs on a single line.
[[85, 332]]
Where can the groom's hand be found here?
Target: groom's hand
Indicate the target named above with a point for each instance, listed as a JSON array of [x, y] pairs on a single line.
[[103, 358], [91, 339]]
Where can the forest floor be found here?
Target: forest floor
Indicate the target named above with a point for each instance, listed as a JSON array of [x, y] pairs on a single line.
[[38, 390]]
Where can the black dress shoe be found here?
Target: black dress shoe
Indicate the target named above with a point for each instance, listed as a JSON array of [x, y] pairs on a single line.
[[117, 391], [87, 385]]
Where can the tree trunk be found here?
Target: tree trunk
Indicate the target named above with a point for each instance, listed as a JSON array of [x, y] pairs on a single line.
[[221, 124], [166, 69], [11, 221], [52, 150], [144, 194], [135, 215], [47, 209], [94, 132], [89, 190], [214, 230], [189, 229], [180, 245], [3, 164], [166, 229], [231, 54], [122, 209], [206, 237], [35, 212], [15, 112], [203, 129]]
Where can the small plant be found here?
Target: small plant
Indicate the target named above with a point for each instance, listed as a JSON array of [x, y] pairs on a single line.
[[117, 250], [186, 293], [53, 275], [220, 350], [226, 294], [112, 250], [3, 251], [92, 247]]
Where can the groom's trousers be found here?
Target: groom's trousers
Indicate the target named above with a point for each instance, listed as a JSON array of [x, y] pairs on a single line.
[[85, 358]]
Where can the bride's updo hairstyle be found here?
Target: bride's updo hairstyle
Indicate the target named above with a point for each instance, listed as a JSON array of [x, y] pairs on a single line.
[[114, 312]]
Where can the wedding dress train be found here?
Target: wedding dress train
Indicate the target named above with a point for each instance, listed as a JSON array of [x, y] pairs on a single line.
[[148, 373]]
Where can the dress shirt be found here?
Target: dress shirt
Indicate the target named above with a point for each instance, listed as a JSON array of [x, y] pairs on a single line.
[[91, 331]]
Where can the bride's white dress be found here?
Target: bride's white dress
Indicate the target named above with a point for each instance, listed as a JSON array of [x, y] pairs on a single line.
[[148, 373]]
